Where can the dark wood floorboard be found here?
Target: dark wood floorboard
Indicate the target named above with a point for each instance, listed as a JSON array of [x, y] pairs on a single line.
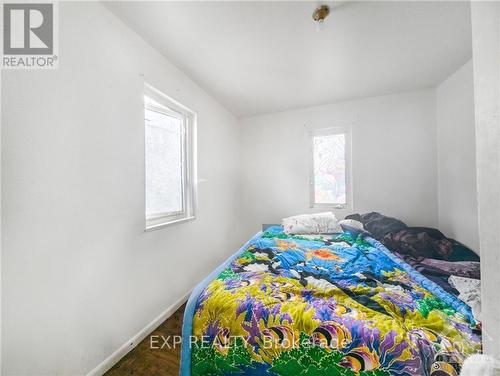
[[156, 360]]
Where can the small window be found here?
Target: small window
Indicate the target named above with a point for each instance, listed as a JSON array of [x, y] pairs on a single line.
[[330, 168], [169, 160]]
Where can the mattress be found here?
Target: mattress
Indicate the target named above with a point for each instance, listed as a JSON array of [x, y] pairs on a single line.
[[323, 305]]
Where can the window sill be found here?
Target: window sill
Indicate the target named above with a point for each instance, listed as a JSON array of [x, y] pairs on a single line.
[[159, 226], [331, 206]]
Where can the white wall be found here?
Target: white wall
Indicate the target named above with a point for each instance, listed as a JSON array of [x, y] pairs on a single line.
[[486, 49], [456, 146], [394, 158], [79, 275]]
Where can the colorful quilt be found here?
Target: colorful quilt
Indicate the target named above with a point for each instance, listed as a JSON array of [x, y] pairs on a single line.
[[336, 305]]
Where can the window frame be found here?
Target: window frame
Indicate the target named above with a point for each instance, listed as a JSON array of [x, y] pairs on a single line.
[[346, 131], [168, 106]]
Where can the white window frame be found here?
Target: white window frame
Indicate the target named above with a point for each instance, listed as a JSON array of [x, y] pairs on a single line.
[[346, 130], [166, 105]]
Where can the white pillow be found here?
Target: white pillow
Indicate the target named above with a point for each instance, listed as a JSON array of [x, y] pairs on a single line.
[[352, 223], [317, 223]]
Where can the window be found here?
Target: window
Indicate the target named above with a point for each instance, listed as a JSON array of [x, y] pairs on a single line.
[[169, 160], [330, 168]]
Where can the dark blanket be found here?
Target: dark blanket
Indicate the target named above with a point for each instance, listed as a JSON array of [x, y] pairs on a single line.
[[378, 224], [426, 249], [439, 270], [419, 242], [462, 253]]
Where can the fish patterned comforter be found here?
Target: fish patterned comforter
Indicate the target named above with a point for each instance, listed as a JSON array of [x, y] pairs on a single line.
[[324, 305]]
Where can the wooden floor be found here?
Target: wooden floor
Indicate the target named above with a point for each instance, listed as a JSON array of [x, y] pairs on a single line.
[[147, 360]]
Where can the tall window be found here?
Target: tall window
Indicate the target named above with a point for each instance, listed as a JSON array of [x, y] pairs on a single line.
[[169, 162], [330, 168]]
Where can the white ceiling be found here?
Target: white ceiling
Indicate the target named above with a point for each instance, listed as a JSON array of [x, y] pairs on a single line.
[[261, 57]]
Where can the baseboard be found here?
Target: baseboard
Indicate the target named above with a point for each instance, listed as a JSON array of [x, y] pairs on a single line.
[[111, 360]]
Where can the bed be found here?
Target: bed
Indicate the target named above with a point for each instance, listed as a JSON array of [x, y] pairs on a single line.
[[323, 305]]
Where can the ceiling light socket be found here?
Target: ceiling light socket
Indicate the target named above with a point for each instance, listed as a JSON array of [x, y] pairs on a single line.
[[320, 13]]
